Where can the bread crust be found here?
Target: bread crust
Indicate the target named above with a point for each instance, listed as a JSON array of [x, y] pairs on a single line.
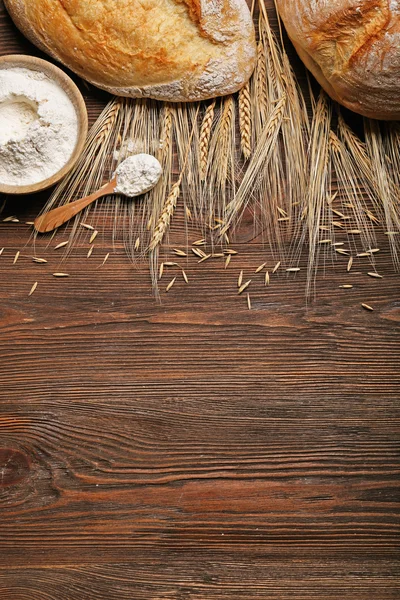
[[352, 47], [175, 50]]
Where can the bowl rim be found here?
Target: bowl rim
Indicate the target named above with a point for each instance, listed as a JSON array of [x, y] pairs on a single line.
[[70, 88]]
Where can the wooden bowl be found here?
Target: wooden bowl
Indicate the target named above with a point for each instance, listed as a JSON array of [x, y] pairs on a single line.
[[69, 87]]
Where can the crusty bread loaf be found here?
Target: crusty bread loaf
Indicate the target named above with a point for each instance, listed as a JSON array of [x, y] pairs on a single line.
[[176, 50], [353, 49]]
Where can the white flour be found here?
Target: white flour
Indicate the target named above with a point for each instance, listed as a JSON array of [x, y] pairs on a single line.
[[137, 175], [38, 127]]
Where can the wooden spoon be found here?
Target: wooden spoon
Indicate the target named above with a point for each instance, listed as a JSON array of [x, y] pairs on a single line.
[[58, 216], [135, 176]]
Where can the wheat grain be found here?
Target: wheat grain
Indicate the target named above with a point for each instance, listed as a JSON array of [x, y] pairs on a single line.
[[105, 259], [260, 268], [244, 287], [61, 245], [33, 288], [60, 275], [185, 277], [171, 283], [350, 264], [240, 279], [38, 260], [266, 281], [276, 267], [248, 302], [367, 307], [16, 257], [204, 258], [93, 236], [376, 275], [179, 252], [89, 254], [228, 260], [86, 226]]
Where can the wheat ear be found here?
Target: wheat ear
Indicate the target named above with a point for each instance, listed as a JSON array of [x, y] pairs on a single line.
[[166, 215], [204, 142], [245, 120]]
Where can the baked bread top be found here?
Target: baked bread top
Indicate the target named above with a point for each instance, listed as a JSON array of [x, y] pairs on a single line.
[[353, 49], [177, 50]]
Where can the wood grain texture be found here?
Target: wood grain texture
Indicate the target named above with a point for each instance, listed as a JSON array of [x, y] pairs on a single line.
[[194, 449]]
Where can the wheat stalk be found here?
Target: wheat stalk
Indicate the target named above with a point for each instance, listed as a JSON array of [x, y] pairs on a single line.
[[261, 99], [205, 134], [245, 120], [388, 193], [258, 163], [315, 210]]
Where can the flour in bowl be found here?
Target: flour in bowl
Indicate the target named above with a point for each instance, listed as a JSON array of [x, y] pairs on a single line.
[[38, 127]]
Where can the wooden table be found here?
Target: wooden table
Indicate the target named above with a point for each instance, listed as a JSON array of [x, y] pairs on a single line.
[[193, 449]]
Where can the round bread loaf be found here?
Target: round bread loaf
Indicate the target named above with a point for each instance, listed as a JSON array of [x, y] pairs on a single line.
[[176, 50], [352, 47]]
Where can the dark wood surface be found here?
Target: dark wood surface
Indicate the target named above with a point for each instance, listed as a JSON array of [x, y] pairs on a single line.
[[194, 449]]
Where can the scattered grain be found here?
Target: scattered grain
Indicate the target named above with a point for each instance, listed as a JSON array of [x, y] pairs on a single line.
[[373, 274], [276, 267], [346, 286], [89, 254], [105, 259], [244, 287], [248, 302], [171, 283], [367, 306], [350, 264], [185, 276], [61, 245], [260, 268], [266, 278], [93, 236], [86, 226], [16, 257], [33, 288], [179, 252], [293, 269], [240, 279], [60, 275], [228, 260], [40, 261]]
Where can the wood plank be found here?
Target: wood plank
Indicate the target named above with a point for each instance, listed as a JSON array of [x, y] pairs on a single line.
[[193, 449]]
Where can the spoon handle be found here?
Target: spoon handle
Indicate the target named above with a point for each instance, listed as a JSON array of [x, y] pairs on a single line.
[[58, 216]]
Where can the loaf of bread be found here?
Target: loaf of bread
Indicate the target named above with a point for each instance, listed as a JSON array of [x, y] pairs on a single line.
[[352, 47], [176, 50]]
